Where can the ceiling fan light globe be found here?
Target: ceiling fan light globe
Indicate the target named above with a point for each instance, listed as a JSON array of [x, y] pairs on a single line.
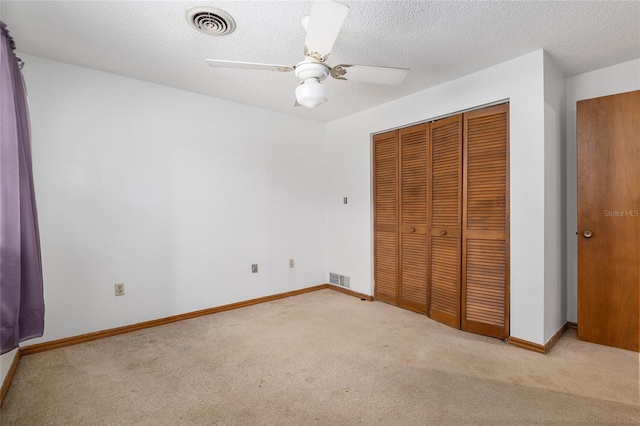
[[312, 93]]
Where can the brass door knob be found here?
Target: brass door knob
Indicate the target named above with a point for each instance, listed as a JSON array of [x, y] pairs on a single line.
[[443, 232], [412, 230], [587, 233]]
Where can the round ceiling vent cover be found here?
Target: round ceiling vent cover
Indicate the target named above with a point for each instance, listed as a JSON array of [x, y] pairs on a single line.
[[211, 21]]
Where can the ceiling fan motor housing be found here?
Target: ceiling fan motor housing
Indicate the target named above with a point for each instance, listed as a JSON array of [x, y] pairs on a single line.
[[310, 69]]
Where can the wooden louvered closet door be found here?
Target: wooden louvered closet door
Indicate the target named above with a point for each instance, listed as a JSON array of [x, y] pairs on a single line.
[[441, 220], [485, 238], [445, 220], [385, 200], [413, 218]]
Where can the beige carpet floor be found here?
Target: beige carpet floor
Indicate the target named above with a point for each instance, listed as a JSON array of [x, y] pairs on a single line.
[[321, 358]]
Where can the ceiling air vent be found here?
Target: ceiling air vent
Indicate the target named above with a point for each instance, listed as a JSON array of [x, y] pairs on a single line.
[[211, 21]]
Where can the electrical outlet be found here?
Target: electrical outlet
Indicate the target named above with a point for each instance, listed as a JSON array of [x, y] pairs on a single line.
[[254, 268], [291, 263], [119, 289]]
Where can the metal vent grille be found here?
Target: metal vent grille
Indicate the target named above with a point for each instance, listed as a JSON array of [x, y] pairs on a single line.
[[344, 281], [341, 280], [211, 21]]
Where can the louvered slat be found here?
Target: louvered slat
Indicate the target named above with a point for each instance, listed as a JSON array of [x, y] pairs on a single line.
[[485, 251], [486, 172], [386, 158], [413, 217], [385, 163], [414, 175], [445, 173], [446, 188], [485, 278], [445, 277], [386, 264], [414, 270]]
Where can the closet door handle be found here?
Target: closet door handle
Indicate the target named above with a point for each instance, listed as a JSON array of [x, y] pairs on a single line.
[[443, 232], [412, 230]]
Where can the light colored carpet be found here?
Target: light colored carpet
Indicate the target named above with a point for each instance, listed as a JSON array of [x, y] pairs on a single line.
[[321, 358]]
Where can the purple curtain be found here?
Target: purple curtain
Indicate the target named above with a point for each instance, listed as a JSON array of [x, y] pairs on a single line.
[[21, 298]]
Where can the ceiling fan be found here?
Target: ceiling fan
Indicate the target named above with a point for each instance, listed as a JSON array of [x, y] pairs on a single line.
[[322, 26]]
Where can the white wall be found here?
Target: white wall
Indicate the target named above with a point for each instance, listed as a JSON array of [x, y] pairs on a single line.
[[5, 364], [619, 78], [555, 289], [176, 194], [349, 174], [173, 193]]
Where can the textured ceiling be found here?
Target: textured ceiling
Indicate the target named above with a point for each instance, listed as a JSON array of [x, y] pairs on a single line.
[[439, 41]]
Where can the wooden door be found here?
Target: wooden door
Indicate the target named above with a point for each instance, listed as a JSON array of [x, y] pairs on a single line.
[[445, 220], [608, 130], [485, 238], [413, 218], [385, 201]]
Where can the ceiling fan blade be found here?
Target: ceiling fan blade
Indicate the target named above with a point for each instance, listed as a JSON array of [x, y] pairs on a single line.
[[325, 20], [248, 65], [369, 74]]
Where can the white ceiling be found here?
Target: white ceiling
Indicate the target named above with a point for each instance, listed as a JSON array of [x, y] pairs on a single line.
[[438, 40]]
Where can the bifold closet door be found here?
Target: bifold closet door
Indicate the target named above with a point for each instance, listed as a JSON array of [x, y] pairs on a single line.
[[445, 220], [385, 199], [485, 238], [413, 218], [441, 219]]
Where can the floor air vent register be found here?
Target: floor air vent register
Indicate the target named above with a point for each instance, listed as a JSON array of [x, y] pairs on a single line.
[[340, 280]]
